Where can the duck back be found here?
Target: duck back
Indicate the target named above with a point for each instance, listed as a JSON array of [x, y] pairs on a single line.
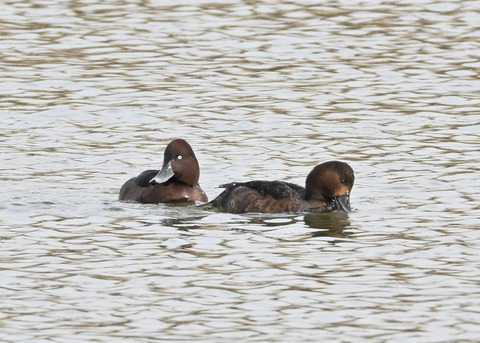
[[259, 196]]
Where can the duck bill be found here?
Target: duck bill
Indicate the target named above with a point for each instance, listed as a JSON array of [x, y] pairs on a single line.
[[165, 174], [342, 203]]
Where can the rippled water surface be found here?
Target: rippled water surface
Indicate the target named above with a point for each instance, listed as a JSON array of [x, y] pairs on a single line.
[[91, 92]]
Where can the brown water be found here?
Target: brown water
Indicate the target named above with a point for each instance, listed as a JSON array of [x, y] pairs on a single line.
[[90, 94]]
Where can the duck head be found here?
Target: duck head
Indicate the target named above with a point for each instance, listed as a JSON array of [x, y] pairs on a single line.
[[180, 163], [331, 182]]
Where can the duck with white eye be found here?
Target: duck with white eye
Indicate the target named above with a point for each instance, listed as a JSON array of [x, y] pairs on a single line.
[[176, 181]]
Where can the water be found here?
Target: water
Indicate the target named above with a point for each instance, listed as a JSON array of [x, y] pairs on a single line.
[[92, 92]]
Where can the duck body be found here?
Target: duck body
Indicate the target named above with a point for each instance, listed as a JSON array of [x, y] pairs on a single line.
[[139, 189]]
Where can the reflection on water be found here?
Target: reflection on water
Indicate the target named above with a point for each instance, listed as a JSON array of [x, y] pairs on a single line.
[[91, 93], [335, 224]]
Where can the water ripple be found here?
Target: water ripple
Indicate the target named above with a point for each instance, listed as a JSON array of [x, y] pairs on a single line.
[[92, 92]]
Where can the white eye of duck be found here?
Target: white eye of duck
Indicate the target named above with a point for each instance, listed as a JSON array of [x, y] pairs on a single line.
[[179, 157]]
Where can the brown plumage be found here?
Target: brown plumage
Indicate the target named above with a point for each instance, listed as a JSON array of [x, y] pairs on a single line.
[[177, 181], [327, 188]]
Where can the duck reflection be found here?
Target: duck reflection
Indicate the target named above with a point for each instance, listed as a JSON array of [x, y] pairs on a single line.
[[331, 224], [186, 218]]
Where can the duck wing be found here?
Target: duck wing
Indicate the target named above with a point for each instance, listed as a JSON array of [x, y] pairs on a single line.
[[258, 196], [275, 189], [143, 180]]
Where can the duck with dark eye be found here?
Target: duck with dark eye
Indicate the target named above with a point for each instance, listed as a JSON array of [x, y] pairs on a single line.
[[327, 188], [176, 181]]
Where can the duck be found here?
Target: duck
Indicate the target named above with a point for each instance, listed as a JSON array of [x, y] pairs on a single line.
[[327, 188], [175, 182]]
